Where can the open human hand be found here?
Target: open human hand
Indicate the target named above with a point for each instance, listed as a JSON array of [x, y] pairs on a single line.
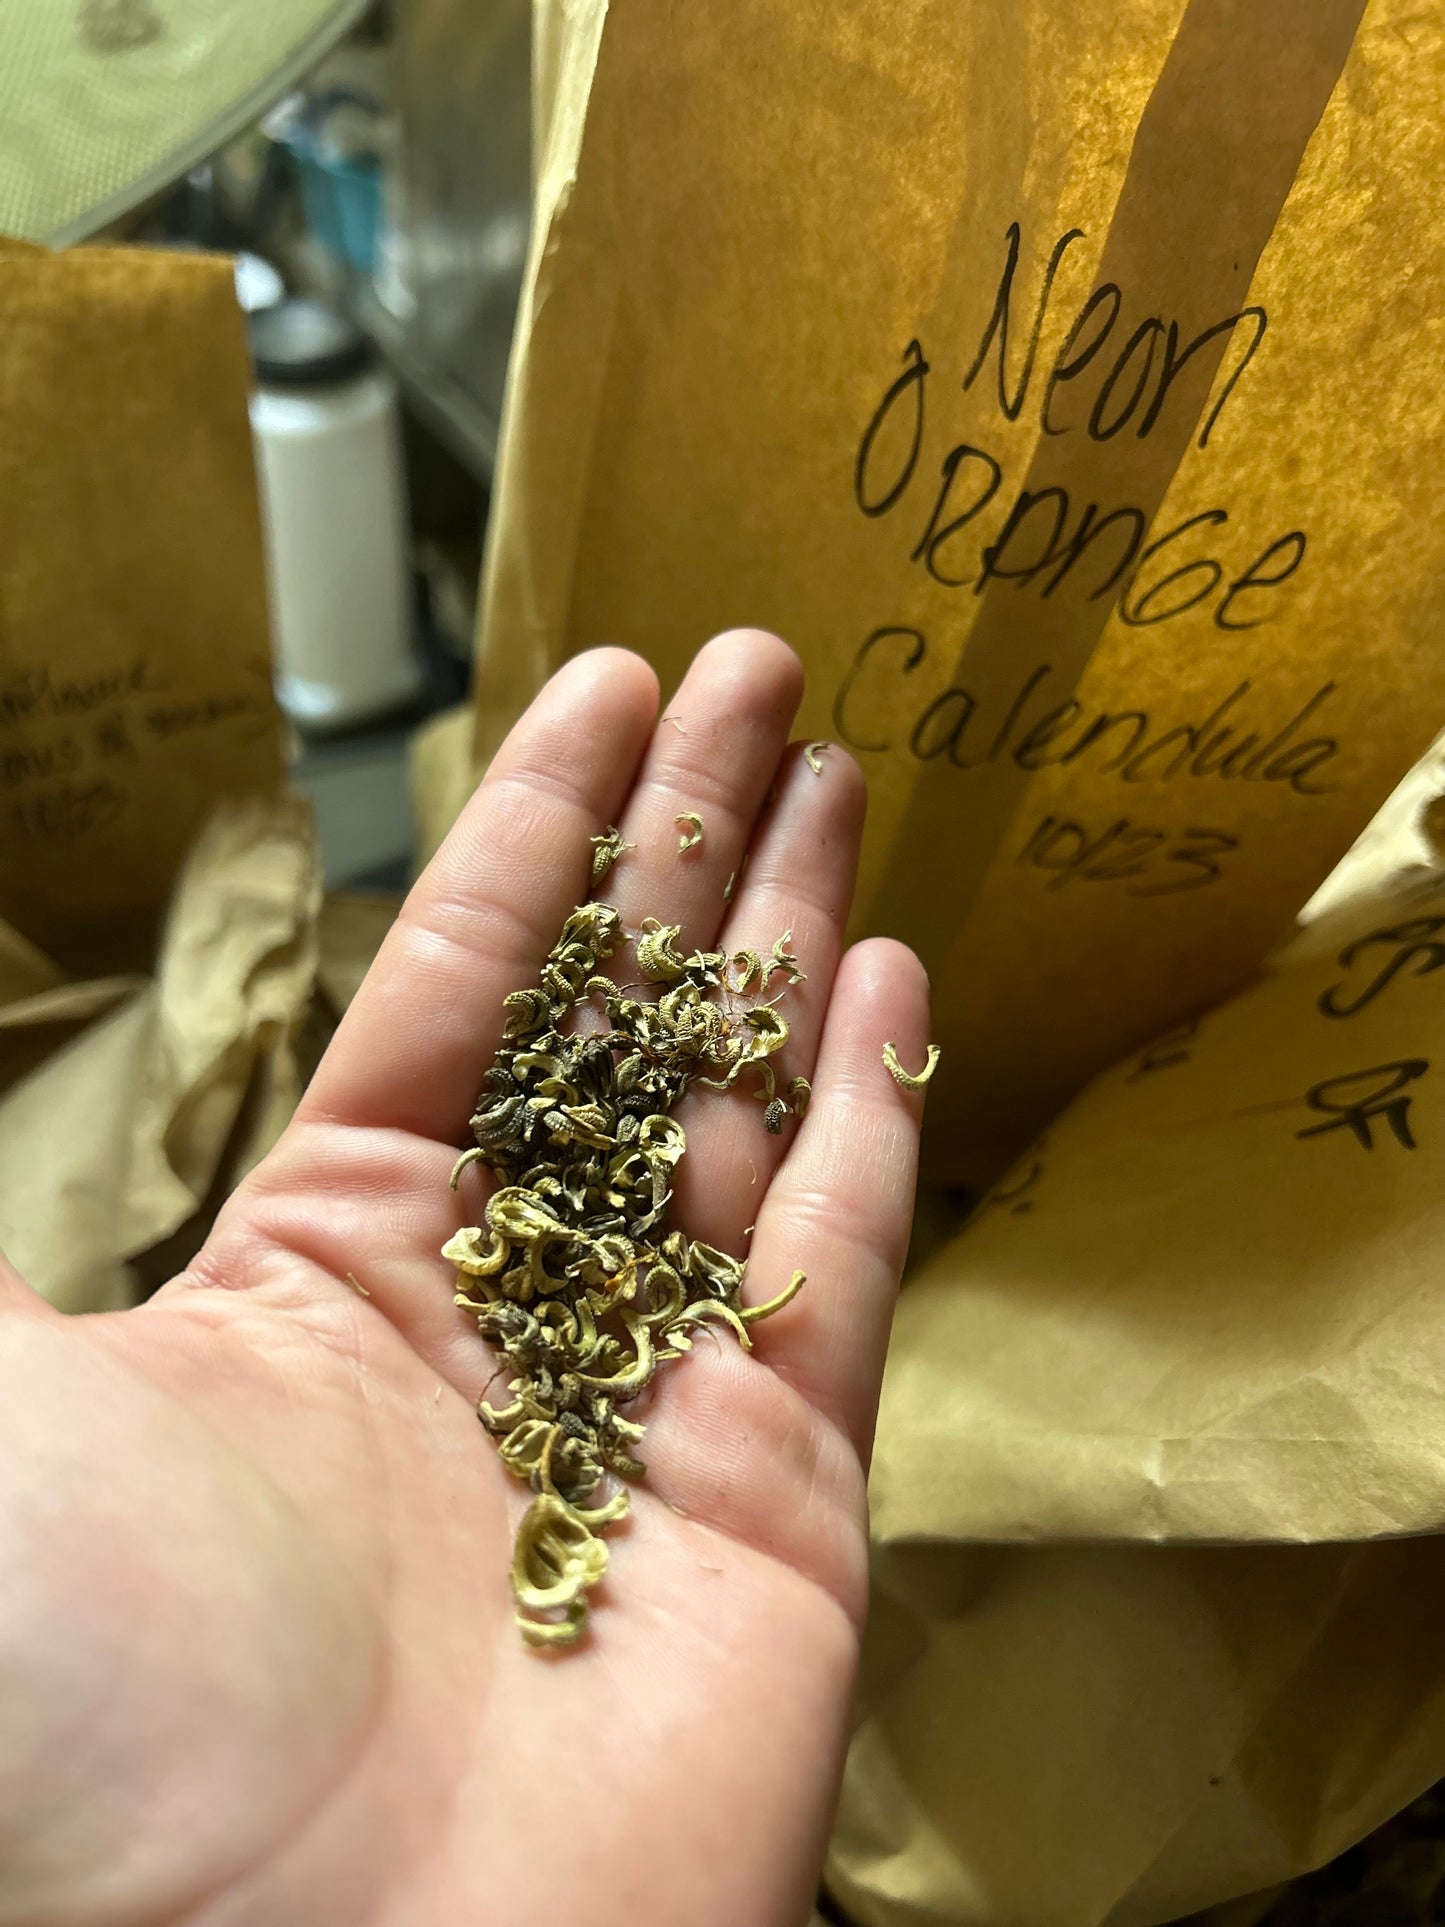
[[257, 1654]]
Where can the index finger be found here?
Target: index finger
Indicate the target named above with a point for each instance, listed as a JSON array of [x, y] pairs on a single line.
[[409, 1053]]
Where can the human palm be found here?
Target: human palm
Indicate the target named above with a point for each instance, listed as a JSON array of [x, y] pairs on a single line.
[[257, 1655]]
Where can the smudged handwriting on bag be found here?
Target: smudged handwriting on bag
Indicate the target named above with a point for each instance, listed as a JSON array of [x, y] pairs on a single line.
[[1174, 1047], [69, 784], [71, 811]]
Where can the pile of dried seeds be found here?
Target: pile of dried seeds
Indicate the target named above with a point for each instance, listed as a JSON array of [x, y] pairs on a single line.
[[575, 1275]]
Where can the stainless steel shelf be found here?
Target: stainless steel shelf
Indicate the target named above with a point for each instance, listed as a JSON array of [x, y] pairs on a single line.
[[439, 400]]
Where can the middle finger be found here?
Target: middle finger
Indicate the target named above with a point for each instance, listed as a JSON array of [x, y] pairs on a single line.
[[714, 754], [800, 880]]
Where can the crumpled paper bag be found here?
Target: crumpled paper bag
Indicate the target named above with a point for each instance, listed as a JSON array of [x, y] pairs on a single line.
[[1160, 1479], [114, 1141], [1060, 380]]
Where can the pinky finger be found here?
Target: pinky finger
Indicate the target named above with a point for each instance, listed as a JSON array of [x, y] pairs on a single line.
[[841, 1206]]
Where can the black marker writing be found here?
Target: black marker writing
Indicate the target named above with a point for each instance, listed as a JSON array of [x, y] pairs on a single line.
[[1352, 1100], [1044, 538], [1411, 942], [1231, 742], [37, 695], [1128, 377], [71, 811]]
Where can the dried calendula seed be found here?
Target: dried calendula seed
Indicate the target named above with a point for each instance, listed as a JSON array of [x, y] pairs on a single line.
[[657, 953], [746, 966], [770, 1028], [556, 1559], [905, 1078], [605, 851], [812, 755], [783, 959], [471, 1257], [691, 833], [466, 1158], [729, 886], [750, 1314]]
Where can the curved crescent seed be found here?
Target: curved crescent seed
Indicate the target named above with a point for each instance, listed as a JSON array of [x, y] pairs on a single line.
[[905, 1078]]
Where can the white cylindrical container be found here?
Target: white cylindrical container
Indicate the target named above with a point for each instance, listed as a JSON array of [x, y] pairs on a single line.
[[328, 454]]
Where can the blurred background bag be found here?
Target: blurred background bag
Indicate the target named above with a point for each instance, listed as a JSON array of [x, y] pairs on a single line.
[[135, 680]]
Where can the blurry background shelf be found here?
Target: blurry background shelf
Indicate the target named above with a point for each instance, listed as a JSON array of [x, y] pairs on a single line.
[[462, 422], [397, 183]]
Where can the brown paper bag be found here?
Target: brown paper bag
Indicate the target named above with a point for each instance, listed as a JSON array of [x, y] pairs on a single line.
[[135, 678], [1196, 1327], [1059, 381], [1069, 1736]]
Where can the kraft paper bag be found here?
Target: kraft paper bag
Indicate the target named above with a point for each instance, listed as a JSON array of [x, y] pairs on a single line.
[[1069, 1736], [1159, 1484], [135, 670], [114, 1140], [1061, 381], [1058, 380]]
